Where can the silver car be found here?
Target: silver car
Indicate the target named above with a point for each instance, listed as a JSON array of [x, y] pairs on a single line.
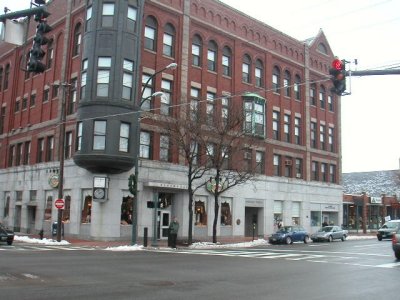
[[329, 233]]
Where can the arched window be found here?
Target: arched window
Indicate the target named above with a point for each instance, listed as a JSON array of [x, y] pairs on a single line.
[[259, 73], [169, 40], [77, 39], [50, 54], [227, 61], [287, 83], [246, 67], [150, 34], [196, 51], [313, 91], [212, 56], [297, 87], [276, 80]]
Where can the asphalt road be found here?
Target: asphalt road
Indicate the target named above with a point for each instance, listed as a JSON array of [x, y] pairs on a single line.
[[340, 270]]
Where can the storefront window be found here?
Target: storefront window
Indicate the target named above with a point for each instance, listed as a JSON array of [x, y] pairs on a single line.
[[316, 218], [47, 211], [126, 210], [278, 214], [87, 210], [226, 212], [295, 213], [66, 212], [200, 213]]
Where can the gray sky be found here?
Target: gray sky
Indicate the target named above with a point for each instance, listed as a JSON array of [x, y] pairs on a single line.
[[366, 30]]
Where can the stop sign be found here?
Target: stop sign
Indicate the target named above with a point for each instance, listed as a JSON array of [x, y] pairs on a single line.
[[59, 203]]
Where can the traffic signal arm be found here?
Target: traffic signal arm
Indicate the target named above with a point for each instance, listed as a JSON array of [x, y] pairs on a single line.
[[373, 72]]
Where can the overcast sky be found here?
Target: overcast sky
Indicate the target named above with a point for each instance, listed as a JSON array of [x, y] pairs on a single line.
[[366, 30]]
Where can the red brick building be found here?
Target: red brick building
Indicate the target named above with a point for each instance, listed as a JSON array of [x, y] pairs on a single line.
[[102, 56]]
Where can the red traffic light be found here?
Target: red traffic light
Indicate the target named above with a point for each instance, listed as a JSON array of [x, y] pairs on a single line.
[[337, 64]]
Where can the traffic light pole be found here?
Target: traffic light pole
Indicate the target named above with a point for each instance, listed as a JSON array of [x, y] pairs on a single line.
[[373, 72], [23, 13]]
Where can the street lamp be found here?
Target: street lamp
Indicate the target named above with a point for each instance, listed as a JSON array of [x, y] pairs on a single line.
[[138, 105]]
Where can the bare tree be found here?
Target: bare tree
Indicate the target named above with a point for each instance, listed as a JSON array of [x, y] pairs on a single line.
[[225, 144], [185, 133]]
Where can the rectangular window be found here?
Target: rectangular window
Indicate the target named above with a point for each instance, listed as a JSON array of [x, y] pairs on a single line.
[[50, 149], [200, 210], [314, 171], [275, 83], [277, 165], [99, 135], [331, 139], [299, 168], [124, 137], [164, 148], [297, 131], [166, 88], [11, 154], [226, 65], [149, 38], [194, 103], [322, 137], [24, 103], [324, 170], [168, 45], [131, 18], [103, 76], [68, 145], [27, 153], [46, 95], [210, 108], [258, 76], [17, 106], [210, 154], [127, 86], [147, 91], [330, 103], [245, 73], [18, 154], [312, 95], [288, 166], [286, 127], [40, 151], [260, 165], [276, 125], [195, 55], [226, 211], [225, 110], [84, 78], [32, 100], [332, 173], [145, 144], [72, 96], [89, 11], [79, 137], [54, 93], [211, 58], [313, 134], [107, 15]]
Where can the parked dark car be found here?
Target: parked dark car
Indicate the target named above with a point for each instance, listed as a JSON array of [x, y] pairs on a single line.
[[289, 234], [6, 235], [388, 230], [329, 233], [396, 244]]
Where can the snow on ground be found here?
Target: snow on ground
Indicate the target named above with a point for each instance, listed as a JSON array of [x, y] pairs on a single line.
[[199, 245], [27, 239]]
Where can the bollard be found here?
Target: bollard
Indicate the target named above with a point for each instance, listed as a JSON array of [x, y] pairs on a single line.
[[145, 237]]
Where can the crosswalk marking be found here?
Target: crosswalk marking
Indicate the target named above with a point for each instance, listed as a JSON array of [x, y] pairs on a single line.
[[291, 255]]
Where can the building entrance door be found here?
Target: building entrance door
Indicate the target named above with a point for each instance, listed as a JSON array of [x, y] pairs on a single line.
[[163, 224]]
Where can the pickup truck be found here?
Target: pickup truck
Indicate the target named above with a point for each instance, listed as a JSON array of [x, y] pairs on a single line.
[[330, 233]]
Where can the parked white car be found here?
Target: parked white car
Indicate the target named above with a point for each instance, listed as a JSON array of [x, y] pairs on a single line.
[[329, 233]]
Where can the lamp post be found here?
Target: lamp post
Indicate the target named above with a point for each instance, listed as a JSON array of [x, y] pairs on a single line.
[[138, 105]]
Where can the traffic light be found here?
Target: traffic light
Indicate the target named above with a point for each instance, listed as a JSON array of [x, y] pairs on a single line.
[[36, 53], [338, 72]]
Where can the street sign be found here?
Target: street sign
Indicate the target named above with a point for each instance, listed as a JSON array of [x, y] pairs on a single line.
[[59, 203]]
